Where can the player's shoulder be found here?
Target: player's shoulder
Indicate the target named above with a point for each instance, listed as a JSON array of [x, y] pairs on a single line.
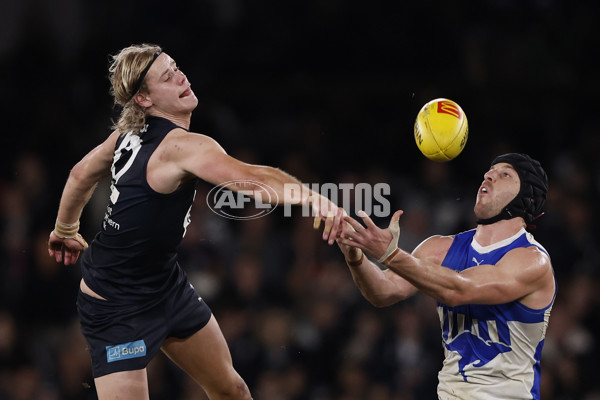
[[180, 139], [178, 134], [529, 255], [434, 248], [180, 144]]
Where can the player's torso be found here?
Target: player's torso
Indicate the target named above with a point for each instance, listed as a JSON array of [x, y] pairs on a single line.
[[491, 351], [141, 229]]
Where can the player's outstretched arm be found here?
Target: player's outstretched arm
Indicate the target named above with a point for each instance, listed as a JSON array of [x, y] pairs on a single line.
[[381, 287], [203, 157], [523, 274]]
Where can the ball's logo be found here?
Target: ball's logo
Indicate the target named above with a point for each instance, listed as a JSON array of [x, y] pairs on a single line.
[[448, 107]]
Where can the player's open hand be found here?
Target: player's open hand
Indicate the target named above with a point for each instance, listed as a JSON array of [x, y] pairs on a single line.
[[370, 238], [65, 251], [333, 216], [350, 252]]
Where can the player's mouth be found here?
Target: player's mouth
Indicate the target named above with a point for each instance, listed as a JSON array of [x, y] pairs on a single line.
[[186, 93], [484, 190]]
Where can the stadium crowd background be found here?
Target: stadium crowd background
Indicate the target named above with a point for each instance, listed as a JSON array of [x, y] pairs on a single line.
[[328, 91]]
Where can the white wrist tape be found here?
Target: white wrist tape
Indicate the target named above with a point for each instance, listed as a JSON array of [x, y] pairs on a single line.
[[69, 231], [392, 249]]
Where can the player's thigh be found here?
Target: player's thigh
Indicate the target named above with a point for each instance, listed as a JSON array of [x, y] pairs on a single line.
[[206, 358], [131, 385]]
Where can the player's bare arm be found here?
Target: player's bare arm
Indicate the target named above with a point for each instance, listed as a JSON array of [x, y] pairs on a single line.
[[184, 154], [523, 274], [78, 190], [518, 276], [84, 177], [381, 287]]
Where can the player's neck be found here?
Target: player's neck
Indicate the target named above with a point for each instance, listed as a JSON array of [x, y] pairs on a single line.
[[182, 120], [493, 233]]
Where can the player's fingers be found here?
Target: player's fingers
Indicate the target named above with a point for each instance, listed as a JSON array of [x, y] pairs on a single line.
[[396, 216], [366, 219], [328, 226], [353, 223], [68, 257], [75, 257], [317, 222], [346, 227], [59, 256], [336, 228], [328, 222], [348, 241]]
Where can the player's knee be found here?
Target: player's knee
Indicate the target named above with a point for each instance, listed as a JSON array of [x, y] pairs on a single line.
[[235, 390], [241, 391]]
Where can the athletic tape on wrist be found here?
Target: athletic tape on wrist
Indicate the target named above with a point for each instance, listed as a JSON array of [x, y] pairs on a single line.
[[356, 263], [392, 249], [66, 231], [69, 231]]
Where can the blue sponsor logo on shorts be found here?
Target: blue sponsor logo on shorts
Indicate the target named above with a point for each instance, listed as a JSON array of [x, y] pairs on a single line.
[[125, 351]]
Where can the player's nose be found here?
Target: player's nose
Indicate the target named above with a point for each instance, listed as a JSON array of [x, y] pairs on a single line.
[[182, 78]]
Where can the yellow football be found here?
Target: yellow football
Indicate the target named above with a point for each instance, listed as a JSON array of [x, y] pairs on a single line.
[[441, 130]]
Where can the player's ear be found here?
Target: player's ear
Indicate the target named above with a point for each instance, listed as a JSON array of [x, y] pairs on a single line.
[[143, 99]]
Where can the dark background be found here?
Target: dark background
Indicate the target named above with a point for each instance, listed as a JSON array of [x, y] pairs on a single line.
[[328, 91]]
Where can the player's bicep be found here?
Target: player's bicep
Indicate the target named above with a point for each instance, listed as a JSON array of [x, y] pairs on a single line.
[[204, 158], [518, 274], [433, 249]]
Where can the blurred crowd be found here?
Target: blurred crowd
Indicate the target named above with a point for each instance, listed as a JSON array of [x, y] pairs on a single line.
[[296, 325], [327, 91]]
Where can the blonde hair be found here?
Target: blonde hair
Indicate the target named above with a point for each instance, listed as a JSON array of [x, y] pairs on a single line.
[[124, 71]]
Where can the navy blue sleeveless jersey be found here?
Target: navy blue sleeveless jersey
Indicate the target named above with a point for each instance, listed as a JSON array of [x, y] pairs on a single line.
[[491, 352], [134, 256]]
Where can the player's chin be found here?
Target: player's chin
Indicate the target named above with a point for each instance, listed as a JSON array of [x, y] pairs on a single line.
[[483, 213], [190, 101], [479, 210]]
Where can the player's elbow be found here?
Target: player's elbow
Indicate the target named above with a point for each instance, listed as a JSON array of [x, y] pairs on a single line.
[[78, 173], [86, 173], [381, 300]]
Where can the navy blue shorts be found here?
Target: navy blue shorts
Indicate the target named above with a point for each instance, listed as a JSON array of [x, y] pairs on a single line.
[[126, 337]]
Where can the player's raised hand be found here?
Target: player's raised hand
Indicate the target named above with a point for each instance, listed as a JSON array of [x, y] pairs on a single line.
[[376, 242]]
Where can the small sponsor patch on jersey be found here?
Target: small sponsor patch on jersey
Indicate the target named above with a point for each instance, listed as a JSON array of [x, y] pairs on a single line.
[[125, 351]]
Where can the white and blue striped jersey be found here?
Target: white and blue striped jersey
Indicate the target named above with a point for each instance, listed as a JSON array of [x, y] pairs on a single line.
[[491, 351]]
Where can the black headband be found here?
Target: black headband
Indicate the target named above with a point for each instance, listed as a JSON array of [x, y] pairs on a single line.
[[139, 81]]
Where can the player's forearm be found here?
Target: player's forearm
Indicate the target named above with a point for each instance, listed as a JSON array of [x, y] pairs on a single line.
[[289, 189], [77, 192], [375, 285], [79, 188], [441, 283]]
